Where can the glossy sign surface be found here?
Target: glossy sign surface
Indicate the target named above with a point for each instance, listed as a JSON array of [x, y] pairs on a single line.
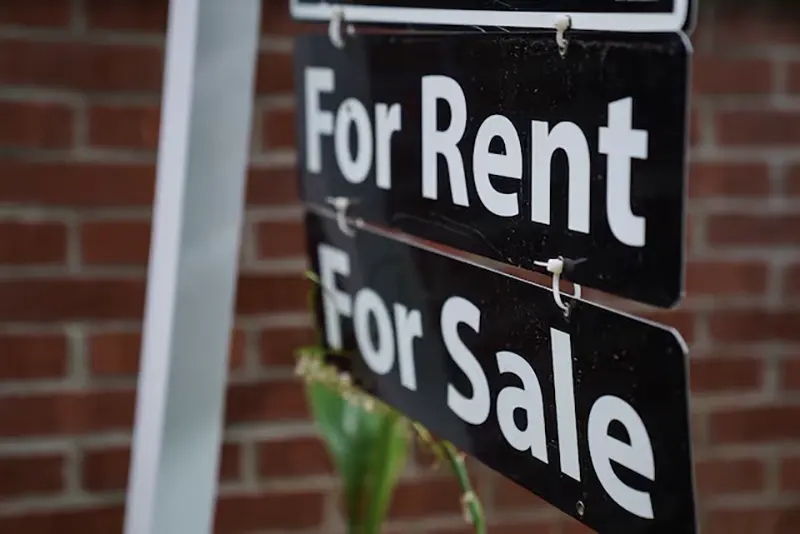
[[589, 412], [603, 15], [496, 145]]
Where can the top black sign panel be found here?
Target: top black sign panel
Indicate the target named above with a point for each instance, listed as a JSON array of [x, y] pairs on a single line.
[[496, 145], [599, 15]]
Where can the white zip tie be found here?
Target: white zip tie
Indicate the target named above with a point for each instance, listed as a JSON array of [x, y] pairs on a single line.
[[340, 205], [556, 267], [335, 27], [563, 23]]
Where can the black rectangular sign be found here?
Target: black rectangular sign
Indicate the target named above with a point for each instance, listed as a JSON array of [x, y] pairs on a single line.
[[588, 411], [497, 145], [602, 15]]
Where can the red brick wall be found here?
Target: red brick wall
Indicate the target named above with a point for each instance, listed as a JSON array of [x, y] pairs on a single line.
[[79, 95]]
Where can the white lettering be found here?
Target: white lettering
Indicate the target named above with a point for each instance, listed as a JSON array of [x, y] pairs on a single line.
[[317, 80], [352, 113], [435, 141], [568, 137], [528, 398], [508, 165], [387, 122], [621, 143], [408, 324], [638, 456], [475, 409], [561, 347], [379, 355], [333, 261]]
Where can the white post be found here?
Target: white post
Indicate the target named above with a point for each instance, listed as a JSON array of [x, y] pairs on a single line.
[[206, 113]]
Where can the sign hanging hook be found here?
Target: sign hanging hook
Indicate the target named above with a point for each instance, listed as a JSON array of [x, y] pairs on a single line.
[[556, 267], [563, 23], [335, 27], [341, 205]]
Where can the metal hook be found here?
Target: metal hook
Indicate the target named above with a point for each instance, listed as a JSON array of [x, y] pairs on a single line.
[[335, 27], [556, 267], [340, 205], [563, 23]]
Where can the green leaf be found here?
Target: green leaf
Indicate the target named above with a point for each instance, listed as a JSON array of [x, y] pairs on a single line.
[[472, 506], [386, 463], [369, 450]]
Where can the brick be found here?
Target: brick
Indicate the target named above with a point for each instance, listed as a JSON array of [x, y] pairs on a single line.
[[88, 520], [279, 128], [791, 280], [793, 181], [135, 127], [32, 243], [63, 299], [572, 526], [115, 242], [276, 20], [66, 413], [272, 187], [114, 353], [26, 475], [274, 74], [278, 346], [726, 278], [725, 230], [749, 27], [509, 495], [790, 473], [296, 457], [117, 353], [76, 184], [717, 74], [281, 239], [123, 298], [793, 77], [268, 294], [752, 520], [81, 66], [416, 499], [728, 180], [755, 425], [107, 469], [35, 125], [694, 127], [790, 373], [273, 401], [124, 15], [32, 356], [741, 326], [721, 477], [682, 321], [50, 14], [277, 511], [765, 128], [723, 374], [534, 527]]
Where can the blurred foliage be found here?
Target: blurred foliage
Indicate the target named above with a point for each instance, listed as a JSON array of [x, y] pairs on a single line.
[[369, 441]]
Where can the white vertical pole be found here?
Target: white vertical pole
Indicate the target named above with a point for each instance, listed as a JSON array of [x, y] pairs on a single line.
[[206, 113]]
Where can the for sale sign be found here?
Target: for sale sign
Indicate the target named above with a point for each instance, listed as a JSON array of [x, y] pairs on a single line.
[[589, 411]]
